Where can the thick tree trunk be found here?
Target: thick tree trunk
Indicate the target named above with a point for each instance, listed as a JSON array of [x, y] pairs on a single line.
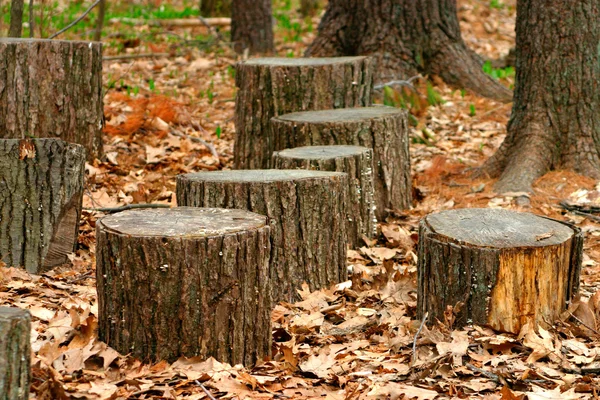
[[15, 353], [384, 129], [357, 162], [52, 88], [555, 121], [307, 212], [407, 37], [41, 189], [185, 281], [269, 87], [252, 26], [16, 18], [215, 8], [496, 268]]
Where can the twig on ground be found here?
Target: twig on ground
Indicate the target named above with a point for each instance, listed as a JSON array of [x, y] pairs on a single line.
[[82, 16], [583, 323], [209, 146], [209, 394], [112, 210], [179, 22], [407, 83], [133, 56], [414, 346], [490, 375]]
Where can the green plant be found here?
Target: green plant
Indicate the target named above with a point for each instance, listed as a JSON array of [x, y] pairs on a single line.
[[218, 131], [151, 84], [433, 97], [472, 110], [497, 4], [498, 73], [210, 92]]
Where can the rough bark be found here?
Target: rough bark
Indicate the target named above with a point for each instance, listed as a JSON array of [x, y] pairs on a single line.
[[555, 122], [357, 162], [41, 190], [252, 26], [215, 8], [16, 18], [407, 37], [15, 353], [506, 268], [306, 210], [185, 281], [52, 88], [384, 129], [273, 86]]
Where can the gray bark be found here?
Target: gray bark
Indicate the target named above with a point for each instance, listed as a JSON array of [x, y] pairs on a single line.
[[15, 353]]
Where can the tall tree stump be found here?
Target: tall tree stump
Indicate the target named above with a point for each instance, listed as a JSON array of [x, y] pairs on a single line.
[[357, 162], [41, 189], [185, 281], [15, 353], [307, 213], [273, 86], [52, 88], [384, 129], [506, 268]]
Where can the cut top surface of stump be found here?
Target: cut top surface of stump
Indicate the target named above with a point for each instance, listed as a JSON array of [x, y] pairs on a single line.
[[498, 228], [322, 152], [301, 62], [188, 222], [259, 175], [28, 40], [355, 114]]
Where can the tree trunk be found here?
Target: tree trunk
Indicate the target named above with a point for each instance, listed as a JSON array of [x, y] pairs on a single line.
[[41, 189], [185, 281], [496, 268], [100, 21], [407, 37], [269, 87], [215, 8], [555, 122], [252, 26], [15, 353], [357, 162], [384, 129], [307, 212], [52, 88], [16, 18]]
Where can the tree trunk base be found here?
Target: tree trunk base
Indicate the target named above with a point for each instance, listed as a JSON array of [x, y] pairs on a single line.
[[15, 353]]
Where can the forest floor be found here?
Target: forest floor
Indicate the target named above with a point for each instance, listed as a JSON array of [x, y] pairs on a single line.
[[354, 341]]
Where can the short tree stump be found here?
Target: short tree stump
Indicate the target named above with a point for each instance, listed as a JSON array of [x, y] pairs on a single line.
[[185, 282], [307, 213], [507, 268], [15, 353], [357, 162]]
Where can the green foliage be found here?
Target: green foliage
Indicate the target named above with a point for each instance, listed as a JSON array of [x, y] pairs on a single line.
[[497, 4], [210, 92], [498, 73], [151, 84], [218, 131], [472, 110], [433, 97]]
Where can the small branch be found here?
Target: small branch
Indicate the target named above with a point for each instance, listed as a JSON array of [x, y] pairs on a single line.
[[414, 346], [184, 22], [490, 375], [209, 146], [82, 16], [407, 83], [209, 394], [112, 210], [133, 56], [583, 323]]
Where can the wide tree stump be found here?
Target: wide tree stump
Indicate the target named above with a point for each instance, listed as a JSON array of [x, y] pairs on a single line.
[[307, 213], [185, 282], [384, 129], [357, 162], [502, 268], [15, 353], [52, 88], [41, 189], [268, 87]]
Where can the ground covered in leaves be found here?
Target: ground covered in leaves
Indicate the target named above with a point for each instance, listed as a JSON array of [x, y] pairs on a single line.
[[173, 114]]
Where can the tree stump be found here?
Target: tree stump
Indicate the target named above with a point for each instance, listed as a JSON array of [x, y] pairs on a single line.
[[273, 86], [357, 162], [307, 212], [507, 268], [185, 282], [384, 129], [15, 353], [52, 88], [41, 190]]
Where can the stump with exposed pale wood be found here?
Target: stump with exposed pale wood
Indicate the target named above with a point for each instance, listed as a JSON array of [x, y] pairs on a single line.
[[41, 190], [273, 86], [503, 268], [15, 353], [52, 88], [185, 282], [307, 213], [384, 129], [357, 162]]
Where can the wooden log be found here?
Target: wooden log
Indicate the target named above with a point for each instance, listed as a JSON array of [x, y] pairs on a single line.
[[268, 87], [15, 353], [384, 129], [185, 282], [306, 210], [357, 162], [507, 268], [41, 190], [52, 88]]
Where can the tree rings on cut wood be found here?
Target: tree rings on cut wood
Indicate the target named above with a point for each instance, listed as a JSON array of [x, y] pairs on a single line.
[[357, 162], [384, 129], [41, 189], [52, 88], [503, 268], [185, 282], [307, 213], [15, 353], [268, 87]]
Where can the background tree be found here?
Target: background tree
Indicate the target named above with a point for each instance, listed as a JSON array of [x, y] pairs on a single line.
[[16, 18], [215, 8], [555, 121], [407, 37], [252, 26]]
